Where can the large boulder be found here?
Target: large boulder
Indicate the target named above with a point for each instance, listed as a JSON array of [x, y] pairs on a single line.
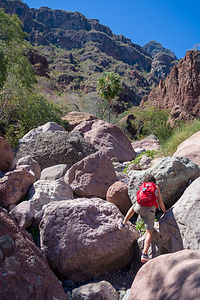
[[44, 191], [24, 271], [172, 174], [33, 164], [48, 127], [107, 138], [179, 228], [190, 148], [6, 155], [118, 194], [98, 291], [53, 148], [92, 176], [74, 118], [14, 186], [81, 238], [169, 277]]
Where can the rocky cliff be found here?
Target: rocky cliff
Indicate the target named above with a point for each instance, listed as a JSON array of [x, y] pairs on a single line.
[[78, 49], [181, 89]]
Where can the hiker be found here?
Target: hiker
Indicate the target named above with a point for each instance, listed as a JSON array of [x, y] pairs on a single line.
[[148, 198]]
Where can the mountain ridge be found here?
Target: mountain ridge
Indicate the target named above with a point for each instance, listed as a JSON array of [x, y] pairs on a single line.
[[94, 48]]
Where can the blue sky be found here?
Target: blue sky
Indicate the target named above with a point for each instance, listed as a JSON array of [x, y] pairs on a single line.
[[173, 23]]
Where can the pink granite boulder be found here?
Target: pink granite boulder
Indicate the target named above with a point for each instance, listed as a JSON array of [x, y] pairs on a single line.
[[190, 149], [14, 186], [118, 194], [92, 176], [24, 271], [81, 238], [147, 143], [169, 277], [6, 156], [108, 138]]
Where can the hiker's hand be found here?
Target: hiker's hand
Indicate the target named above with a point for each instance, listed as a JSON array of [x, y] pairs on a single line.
[[121, 225]]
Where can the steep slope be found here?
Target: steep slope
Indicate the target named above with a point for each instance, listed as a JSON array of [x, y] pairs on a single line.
[[79, 49], [181, 88]]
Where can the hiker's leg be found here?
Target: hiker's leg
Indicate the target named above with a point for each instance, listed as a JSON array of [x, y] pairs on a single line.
[[147, 242]]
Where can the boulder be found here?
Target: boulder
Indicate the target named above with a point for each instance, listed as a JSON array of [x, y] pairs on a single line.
[[92, 176], [172, 174], [14, 186], [33, 164], [74, 118], [147, 144], [98, 291], [53, 148], [169, 277], [179, 228], [48, 127], [24, 271], [118, 194], [6, 156], [107, 138], [54, 172], [190, 148], [23, 213], [81, 238], [44, 191]]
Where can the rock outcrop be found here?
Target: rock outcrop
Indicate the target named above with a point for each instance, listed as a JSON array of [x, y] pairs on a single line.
[[107, 138], [170, 277], [24, 271], [39, 62], [181, 87], [81, 238]]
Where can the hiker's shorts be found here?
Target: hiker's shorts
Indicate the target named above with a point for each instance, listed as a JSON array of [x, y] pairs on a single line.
[[147, 214]]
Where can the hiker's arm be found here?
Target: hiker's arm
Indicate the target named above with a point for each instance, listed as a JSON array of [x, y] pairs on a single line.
[[129, 214], [161, 203]]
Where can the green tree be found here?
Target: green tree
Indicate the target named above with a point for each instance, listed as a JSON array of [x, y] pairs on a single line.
[[108, 87], [16, 72]]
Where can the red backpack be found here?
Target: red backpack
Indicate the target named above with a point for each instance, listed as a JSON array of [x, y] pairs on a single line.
[[146, 195]]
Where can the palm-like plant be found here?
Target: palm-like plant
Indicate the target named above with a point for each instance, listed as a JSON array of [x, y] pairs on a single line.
[[108, 87]]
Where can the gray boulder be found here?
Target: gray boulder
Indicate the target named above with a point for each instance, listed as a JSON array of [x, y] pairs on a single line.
[[48, 127], [173, 175], [44, 191], [98, 291], [23, 213], [53, 148], [179, 228], [54, 172], [81, 238]]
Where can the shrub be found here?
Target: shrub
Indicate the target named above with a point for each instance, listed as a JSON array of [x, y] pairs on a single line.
[[180, 134], [149, 153]]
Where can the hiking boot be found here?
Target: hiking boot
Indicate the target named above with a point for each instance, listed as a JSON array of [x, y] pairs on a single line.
[[144, 258]]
